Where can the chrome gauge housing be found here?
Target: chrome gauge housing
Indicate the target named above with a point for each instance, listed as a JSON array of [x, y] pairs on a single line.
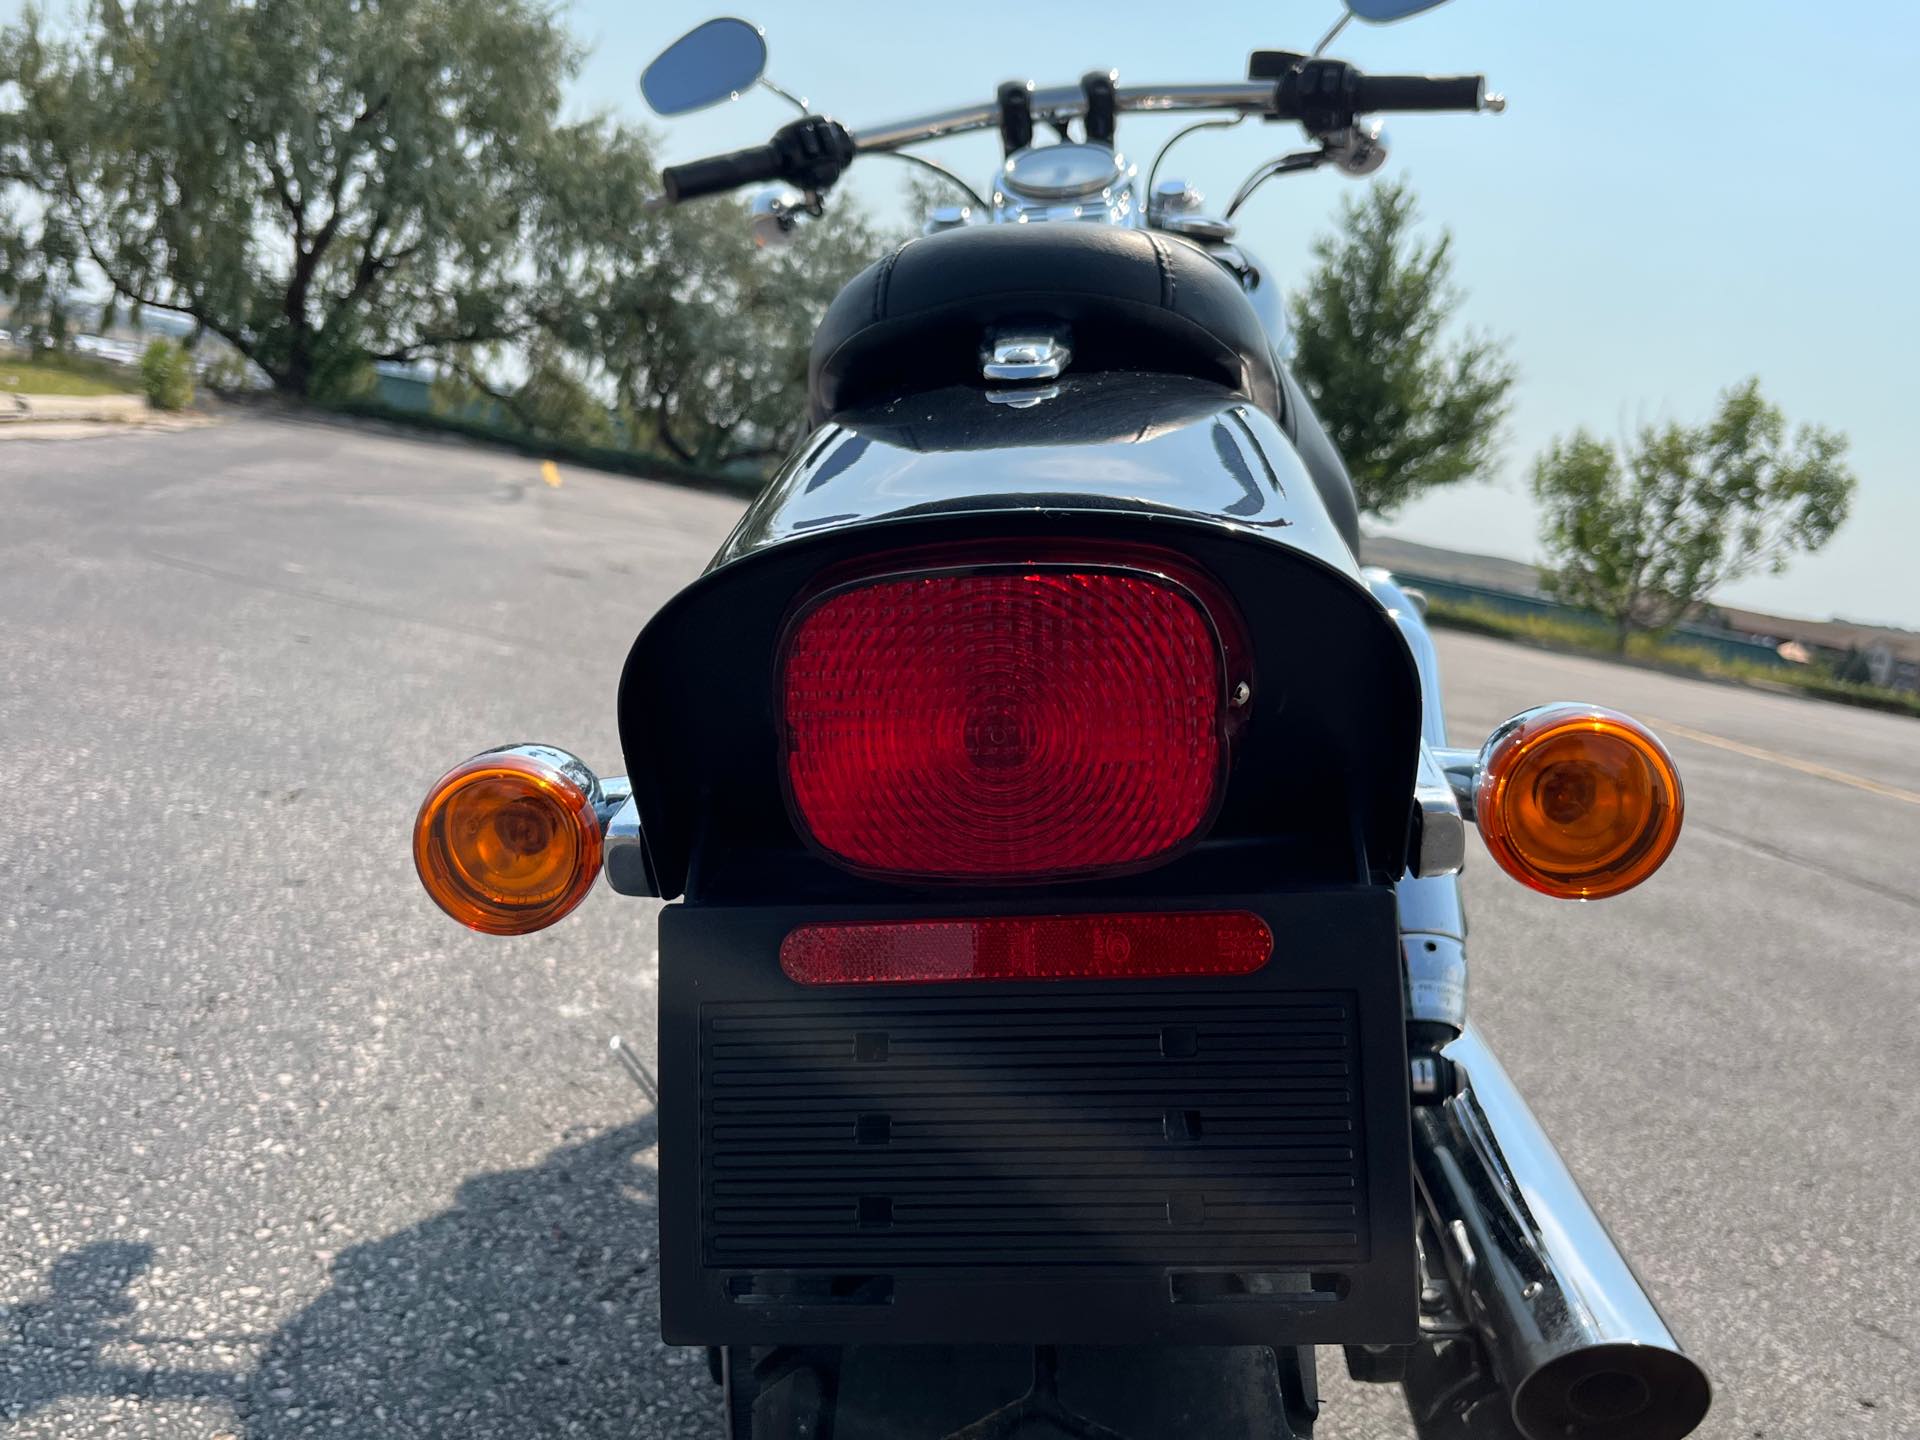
[[1062, 172], [1068, 181]]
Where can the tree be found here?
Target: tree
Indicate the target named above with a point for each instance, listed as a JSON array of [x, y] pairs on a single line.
[[724, 378], [318, 183], [1642, 535], [701, 339], [39, 272], [324, 185], [1407, 411], [554, 401]]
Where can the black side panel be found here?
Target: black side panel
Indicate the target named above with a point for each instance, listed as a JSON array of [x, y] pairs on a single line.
[[1177, 1161]]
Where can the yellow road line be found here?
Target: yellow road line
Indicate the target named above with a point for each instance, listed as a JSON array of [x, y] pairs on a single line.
[[1791, 762]]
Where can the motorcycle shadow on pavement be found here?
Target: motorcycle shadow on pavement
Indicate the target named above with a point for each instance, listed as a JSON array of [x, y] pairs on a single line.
[[529, 1307], [50, 1346]]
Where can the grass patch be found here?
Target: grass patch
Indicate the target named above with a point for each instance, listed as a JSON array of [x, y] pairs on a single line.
[[1593, 638], [65, 375]]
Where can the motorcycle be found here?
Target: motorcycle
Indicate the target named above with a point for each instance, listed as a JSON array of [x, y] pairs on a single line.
[[1063, 1021]]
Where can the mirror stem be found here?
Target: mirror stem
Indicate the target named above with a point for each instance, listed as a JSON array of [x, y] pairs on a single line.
[[792, 99], [1333, 34]]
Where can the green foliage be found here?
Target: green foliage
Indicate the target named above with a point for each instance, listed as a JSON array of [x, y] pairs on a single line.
[[39, 260], [1572, 633], [1564, 632], [1641, 536], [166, 374], [1407, 410], [623, 459], [700, 339], [342, 373], [230, 374], [554, 402], [317, 183], [453, 396], [53, 372], [326, 186]]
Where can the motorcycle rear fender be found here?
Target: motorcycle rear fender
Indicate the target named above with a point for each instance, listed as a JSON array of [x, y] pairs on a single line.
[[1324, 772]]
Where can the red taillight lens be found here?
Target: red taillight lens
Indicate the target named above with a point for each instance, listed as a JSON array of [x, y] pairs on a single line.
[[1057, 720], [1028, 947]]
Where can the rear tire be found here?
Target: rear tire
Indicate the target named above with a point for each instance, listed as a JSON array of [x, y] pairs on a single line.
[[927, 1392]]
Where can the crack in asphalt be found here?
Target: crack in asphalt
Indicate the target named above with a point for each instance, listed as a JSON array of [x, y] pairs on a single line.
[[1774, 852]]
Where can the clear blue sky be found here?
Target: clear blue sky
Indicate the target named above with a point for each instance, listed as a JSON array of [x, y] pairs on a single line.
[[1679, 195]]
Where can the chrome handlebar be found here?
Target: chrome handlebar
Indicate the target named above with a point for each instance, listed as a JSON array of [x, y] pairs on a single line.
[[1069, 102], [1325, 96]]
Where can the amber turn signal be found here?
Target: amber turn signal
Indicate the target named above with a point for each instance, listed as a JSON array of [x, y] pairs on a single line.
[[507, 843], [1577, 801]]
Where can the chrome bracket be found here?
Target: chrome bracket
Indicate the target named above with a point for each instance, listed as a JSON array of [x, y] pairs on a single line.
[[1023, 399], [623, 852], [1442, 843], [1025, 356], [1436, 978], [1462, 771]]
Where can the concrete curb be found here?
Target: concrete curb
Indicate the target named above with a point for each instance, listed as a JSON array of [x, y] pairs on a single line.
[[24, 409], [74, 417]]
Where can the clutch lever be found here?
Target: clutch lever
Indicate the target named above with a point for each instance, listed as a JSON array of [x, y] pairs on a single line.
[[1299, 160]]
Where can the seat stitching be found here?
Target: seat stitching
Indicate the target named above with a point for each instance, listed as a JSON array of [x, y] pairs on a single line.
[[1166, 271], [881, 284]]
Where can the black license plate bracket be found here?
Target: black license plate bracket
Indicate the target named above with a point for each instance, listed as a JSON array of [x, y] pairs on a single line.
[[1198, 1160]]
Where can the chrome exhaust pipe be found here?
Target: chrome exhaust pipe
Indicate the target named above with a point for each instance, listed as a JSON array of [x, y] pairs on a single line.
[[1572, 1338]]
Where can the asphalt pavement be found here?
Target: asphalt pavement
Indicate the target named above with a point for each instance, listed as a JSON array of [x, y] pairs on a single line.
[[286, 1153]]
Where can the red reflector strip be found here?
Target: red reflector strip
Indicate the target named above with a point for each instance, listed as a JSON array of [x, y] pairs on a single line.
[[1028, 947]]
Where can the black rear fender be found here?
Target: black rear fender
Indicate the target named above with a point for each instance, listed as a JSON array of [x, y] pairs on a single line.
[[1323, 769]]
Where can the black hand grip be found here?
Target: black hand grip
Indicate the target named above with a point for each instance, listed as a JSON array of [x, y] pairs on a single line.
[[717, 173], [1418, 92]]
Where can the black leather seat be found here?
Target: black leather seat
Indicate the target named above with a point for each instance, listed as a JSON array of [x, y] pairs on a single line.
[[1133, 300]]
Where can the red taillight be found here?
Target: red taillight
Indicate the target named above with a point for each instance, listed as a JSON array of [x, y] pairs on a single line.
[[1028, 947], [1004, 725]]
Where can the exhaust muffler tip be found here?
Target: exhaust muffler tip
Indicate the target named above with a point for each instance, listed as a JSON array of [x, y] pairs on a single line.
[[1613, 1392], [1565, 1327]]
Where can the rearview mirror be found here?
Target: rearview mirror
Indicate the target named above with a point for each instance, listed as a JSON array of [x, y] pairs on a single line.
[[1379, 12], [708, 64]]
